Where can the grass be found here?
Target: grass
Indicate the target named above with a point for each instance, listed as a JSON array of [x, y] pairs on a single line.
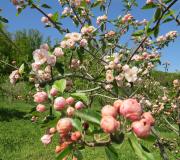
[[20, 138]]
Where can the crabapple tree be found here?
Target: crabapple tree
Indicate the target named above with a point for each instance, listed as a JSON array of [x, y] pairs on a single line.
[[93, 86]]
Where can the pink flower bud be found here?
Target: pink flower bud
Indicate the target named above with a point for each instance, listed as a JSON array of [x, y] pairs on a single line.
[[50, 15], [41, 108], [70, 111], [40, 97], [46, 139], [44, 20], [141, 128], [64, 126], [35, 67], [148, 117], [70, 100], [52, 130], [76, 136], [15, 2], [131, 109], [83, 43], [109, 124], [108, 110], [44, 46], [51, 60], [59, 103], [117, 104], [53, 92], [79, 105], [58, 52]]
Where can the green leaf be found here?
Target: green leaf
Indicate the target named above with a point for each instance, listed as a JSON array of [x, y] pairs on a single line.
[[80, 96], [77, 124], [21, 69], [140, 152], [157, 14], [138, 33], [111, 153], [60, 67], [78, 154], [2, 19], [45, 6], [64, 153], [60, 85], [156, 31], [167, 20], [55, 17], [167, 1], [149, 6], [150, 138], [87, 117]]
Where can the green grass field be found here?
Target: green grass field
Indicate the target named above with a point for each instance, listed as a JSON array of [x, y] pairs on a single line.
[[20, 138]]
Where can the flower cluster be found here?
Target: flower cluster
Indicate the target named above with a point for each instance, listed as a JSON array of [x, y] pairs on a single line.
[[44, 60], [165, 39], [87, 30], [46, 20], [128, 17], [129, 109], [101, 19], [14, 76]]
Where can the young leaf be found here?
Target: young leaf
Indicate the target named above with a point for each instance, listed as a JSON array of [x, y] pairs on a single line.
[[87, 117], [111, 153], [149, 6], [138, 33], [45, 6], [60, 85], [140, 152], [80, 96], [157, 14], [64, 153], [78, 154], [77, 124]]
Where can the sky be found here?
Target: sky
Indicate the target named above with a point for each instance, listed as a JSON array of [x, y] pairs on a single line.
[[30, 19]]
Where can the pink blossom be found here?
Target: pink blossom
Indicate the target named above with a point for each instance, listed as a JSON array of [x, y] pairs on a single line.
[[109, 124], [64, 126], [41, 108], [109, 110], [141, 128], [58, 52], [79, 105], [40, 97], [53, 92], [46, 139], [131, 109], [59, 103]]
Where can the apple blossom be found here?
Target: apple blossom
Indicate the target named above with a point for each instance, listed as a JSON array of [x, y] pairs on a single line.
[[64, 126], [131, 109], [75, 136], [46, 139], [141, 128], [58, 52], [108, 110], [70, 100], [40, 56], [148, 117], [109, 124], [53, 92], [52, 130], [79, 105], [40, 108], [40, 97], [117, 104], [59, 103], [70, 111]]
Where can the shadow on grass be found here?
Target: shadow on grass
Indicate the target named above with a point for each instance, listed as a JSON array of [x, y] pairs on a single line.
[[8, 114]]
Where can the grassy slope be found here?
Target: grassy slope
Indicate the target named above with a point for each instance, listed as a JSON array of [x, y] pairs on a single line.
[[20, 139]]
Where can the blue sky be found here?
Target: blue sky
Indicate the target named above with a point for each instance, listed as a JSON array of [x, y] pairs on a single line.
[[31, 19]]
